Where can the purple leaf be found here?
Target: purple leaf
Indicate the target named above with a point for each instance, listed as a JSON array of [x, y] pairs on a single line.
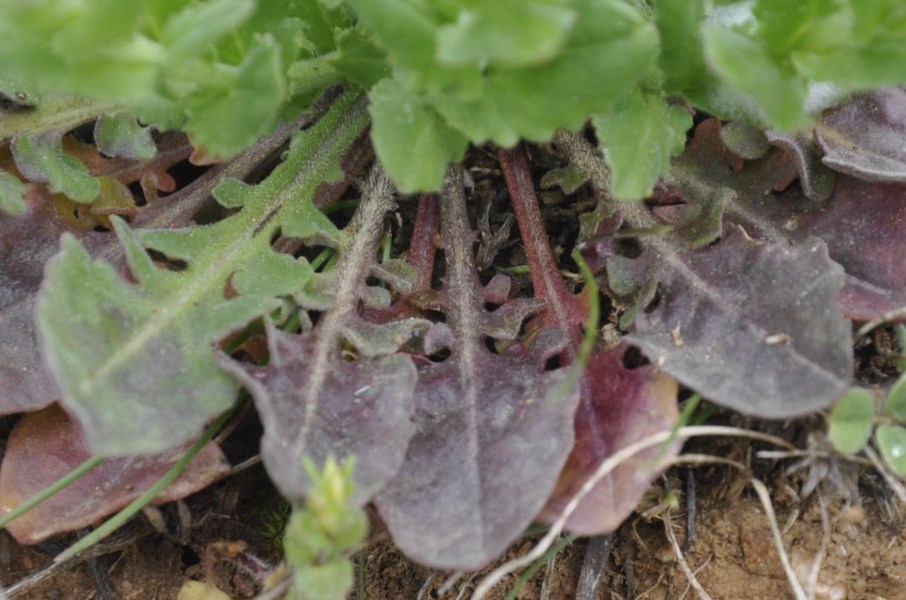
[[493, 430], [318, 405], [866, 137], [617, 406], [624, 406], [47, 444], [318, 401], [754, 326], [863, 224]]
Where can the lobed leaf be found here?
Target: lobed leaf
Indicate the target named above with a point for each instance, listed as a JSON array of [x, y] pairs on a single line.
[[617, 406], [641, 134], [41, 158], [314, 402], [119, 134], [865, 137], [28, 240], [745, 308], [47, 444], [93, 337], [489, 426], [859, 221]]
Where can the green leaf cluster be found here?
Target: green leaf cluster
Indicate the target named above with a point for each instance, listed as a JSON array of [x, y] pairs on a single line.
[[215, 68], [855, 417], [461, 71]]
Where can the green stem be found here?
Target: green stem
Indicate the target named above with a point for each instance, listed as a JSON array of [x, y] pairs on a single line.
[[122, 517], [53, 489]]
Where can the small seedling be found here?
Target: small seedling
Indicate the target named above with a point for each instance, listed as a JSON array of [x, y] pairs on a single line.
[[855, 418], [321, 533]]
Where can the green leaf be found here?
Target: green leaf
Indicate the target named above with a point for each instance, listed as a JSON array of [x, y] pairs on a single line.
[[12, 191], [360, 59], [200, 24], [532, 102], [55, 112], [745, 64], [134, 362], [896, 400], [243, 106], [784, 26], [414, 143], [488, 33], [641, 133], [681, 58], [891, 440], [118, 134], [851, 421], [41, 158]]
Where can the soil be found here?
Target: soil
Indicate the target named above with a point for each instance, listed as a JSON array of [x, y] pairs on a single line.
[[733, 555], [831, 509]]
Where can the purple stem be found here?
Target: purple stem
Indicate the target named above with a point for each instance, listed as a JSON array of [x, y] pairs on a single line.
[[563, 309]]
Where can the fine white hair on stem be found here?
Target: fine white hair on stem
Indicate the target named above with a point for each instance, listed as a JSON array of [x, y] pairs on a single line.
[[604, 469]]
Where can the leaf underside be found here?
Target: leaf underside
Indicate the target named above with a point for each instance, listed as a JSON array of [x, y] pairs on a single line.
[[317, 403], [727, 322], [489, 427]]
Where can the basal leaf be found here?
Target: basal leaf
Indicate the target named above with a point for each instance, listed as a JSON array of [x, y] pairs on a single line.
[[489, 427], [851, 421], [316, 403], [725, 316], [41, 158], [641, 134], [860, 222], [866, 137], [47, 444], [96, 337], [617, 406]]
